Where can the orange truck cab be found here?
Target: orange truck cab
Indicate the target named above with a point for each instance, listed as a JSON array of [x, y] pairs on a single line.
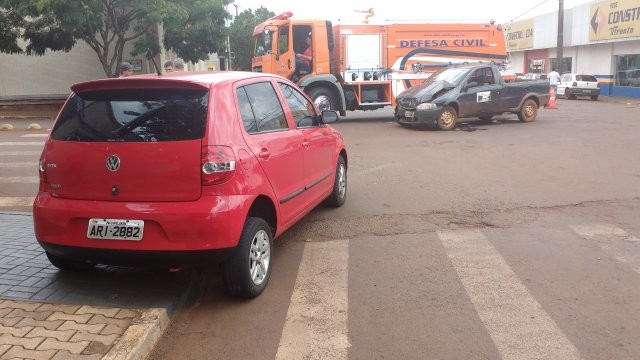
[[365, 66]]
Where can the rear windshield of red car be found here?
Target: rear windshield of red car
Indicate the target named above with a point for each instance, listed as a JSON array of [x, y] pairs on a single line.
[[133, 115]]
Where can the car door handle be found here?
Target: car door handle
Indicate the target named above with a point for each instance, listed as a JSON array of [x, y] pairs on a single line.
[[264, 154]]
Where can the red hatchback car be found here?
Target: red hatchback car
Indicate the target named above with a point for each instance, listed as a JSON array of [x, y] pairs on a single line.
[[185, 169]]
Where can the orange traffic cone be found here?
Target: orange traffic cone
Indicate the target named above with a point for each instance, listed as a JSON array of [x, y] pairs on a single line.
[[552, 99]]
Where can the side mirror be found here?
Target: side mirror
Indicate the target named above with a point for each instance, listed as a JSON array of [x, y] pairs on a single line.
[[329, 116]]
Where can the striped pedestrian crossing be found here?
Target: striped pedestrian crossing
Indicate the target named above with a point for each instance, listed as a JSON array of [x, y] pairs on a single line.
[[316, 325]]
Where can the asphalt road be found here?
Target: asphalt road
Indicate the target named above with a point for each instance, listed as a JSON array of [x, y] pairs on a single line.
[[501, 240]]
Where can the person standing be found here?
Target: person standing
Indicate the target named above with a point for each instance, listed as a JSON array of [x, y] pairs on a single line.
[[126, 69], [554, 80]]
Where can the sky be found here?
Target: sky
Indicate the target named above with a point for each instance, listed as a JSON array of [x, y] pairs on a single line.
[[503, 11]]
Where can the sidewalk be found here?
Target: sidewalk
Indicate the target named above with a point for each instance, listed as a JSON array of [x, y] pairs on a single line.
[[109, 313]]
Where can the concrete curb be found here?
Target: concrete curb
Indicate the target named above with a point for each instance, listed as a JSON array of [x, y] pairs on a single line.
[[141, 336]]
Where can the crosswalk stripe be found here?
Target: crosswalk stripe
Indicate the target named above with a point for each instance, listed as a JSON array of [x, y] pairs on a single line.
[[517, 323], [34, 135], [316, 323], [606, 233], [20, 153], [19, 164], [16, 201], [592, 230], [21, 143], [19, 179]]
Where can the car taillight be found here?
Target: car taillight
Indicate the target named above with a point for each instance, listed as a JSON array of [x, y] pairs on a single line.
[[574, 84], [42, 169], [218, 164]]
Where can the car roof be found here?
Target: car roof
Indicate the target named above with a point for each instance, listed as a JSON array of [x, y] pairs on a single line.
[[182, 79]]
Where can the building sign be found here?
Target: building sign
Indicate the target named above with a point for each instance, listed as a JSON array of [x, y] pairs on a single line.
[[519, 35], [614, 20]]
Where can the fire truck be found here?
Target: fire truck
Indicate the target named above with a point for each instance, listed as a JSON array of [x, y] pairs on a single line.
[[365, 66]]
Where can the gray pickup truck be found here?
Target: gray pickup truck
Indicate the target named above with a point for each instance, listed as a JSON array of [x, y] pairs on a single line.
[[468, 91]]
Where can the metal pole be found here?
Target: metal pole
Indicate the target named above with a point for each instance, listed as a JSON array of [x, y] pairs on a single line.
[[560, 44]]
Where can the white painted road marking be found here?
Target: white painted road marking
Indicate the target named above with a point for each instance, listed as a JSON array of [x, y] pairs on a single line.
[[16, 201], [608, 238], [25, 143], [34, 135], [33, 164], [517, 323], [593, 230], [19, 180], [316, 324], [20, 153]]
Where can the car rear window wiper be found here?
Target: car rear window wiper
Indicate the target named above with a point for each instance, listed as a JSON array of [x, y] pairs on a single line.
[[137, 121]]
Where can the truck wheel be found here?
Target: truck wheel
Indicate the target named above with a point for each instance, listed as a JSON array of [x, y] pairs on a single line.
[[247, 272], [529, 111], [339, 193], [448, 118], [323, 99]]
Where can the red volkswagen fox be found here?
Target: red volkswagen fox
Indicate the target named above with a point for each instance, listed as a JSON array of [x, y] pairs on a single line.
[[185, 169]]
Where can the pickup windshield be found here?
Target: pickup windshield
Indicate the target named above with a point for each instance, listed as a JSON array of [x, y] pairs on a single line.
[[453, 76]]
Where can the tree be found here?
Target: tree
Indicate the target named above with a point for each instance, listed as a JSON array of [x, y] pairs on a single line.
[[192, 28], [241, 36]]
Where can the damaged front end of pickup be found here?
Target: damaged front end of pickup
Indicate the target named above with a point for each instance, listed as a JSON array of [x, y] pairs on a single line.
[[422, 106]]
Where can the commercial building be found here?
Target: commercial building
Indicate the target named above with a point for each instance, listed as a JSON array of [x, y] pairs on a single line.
[[600, 38]]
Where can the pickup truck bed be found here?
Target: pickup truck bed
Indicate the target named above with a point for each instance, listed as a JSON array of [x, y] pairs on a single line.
[[469, 91]]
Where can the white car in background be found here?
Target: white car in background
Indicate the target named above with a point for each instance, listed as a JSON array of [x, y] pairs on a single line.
[[573, 85]]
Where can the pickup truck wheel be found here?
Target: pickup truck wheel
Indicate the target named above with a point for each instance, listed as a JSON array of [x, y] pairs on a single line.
[[448, 118], [323, 99], [529, 111], [247, 272]]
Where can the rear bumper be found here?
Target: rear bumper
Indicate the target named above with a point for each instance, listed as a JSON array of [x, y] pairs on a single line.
[[170, 229], [582, 91], [147, 259]]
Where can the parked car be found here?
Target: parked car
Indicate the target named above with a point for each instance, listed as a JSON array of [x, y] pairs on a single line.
[[183, 170], [534, 76], [573, 85], [468, 91]]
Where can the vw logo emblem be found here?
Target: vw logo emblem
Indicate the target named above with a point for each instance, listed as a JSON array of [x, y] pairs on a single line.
[[113, 163]]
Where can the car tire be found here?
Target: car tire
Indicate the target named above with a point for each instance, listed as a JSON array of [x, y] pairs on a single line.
[[594, 97], [570, 96], [247, 272], [69, 265], [339, 194], [323, 99], [528, 111], [448, 119]]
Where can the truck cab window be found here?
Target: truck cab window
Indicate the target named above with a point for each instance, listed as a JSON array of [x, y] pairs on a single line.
[[283, 40]]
